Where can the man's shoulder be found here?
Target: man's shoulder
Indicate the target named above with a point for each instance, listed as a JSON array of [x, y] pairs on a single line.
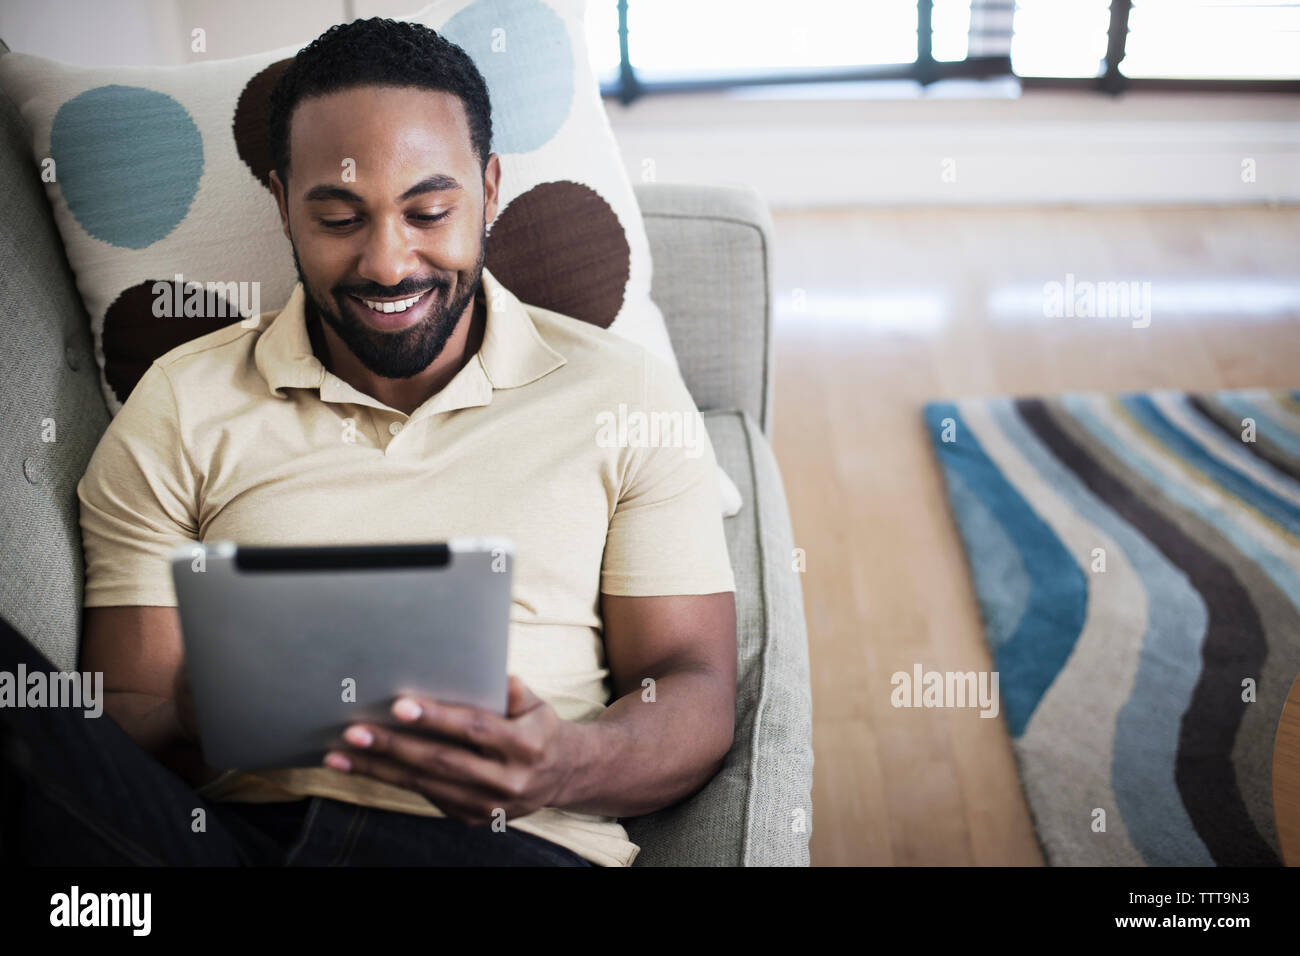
[[226, 344], [591, 351], [203, 376]]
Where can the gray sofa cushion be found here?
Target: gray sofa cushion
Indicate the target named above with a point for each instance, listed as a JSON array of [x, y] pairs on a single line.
[[749, 814], [711, 246], [48, 376]]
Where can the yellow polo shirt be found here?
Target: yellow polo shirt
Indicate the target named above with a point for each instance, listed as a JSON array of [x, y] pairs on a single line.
[[243, 435]]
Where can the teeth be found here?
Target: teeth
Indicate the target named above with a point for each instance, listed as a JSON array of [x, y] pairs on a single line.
[[399, 306]]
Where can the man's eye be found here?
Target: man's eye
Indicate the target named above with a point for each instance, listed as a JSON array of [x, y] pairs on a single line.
[[344, 223]]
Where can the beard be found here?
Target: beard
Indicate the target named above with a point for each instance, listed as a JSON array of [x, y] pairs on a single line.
[[406, 352]]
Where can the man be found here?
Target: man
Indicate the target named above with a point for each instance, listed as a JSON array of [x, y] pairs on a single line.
[[404, 394]]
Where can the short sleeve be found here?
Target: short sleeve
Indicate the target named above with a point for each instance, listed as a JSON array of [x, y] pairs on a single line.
[[666, 534], [138, 500]]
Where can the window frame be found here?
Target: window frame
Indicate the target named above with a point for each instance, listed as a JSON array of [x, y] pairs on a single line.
[[925, 70]]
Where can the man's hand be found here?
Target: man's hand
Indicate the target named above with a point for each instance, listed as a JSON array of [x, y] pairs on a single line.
[[518, 763]]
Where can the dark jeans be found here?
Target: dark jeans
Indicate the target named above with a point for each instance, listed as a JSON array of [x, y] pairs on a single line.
[[78, 791]]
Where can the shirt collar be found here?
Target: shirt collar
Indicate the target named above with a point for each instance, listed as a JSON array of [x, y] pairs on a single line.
[[513, 353]]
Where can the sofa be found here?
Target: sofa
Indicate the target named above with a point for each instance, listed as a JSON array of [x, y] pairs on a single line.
[[711, 249]]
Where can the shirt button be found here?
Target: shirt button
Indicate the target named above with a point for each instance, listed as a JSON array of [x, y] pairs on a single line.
[[34, 470], [394, 428]]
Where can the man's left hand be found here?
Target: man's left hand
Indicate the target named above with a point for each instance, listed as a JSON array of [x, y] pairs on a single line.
[[516, 764]]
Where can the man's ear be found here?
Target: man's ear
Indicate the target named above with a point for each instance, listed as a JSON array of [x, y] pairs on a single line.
[[281, 200], [491, 189]]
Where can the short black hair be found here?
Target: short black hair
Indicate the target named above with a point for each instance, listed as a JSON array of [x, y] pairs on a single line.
[[379, 52]]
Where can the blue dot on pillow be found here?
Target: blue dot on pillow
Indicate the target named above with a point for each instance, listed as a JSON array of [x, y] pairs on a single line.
[[128, 162], [522, 49]]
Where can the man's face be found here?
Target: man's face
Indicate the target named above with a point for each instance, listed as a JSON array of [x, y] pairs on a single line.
[[386, 202]]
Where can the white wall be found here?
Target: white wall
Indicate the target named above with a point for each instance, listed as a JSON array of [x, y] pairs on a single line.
[[1069, 147], [159, 32], [115, 32]]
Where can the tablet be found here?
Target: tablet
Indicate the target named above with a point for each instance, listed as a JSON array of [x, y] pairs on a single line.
[[287, 646]]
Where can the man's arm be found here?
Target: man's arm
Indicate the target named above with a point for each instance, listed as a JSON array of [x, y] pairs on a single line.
[[639, 756], [139, 651], [645, 754]]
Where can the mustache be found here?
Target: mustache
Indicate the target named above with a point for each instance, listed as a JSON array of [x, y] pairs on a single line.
[[403, 290]]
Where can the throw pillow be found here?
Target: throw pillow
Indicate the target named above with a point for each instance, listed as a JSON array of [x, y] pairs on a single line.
[[158, 178]]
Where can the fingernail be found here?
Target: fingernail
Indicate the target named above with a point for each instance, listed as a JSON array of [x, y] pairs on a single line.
[[338, 762], [407, 709], [359, 736]]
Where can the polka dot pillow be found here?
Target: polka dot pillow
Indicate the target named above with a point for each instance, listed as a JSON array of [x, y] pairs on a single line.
[[158, 178]]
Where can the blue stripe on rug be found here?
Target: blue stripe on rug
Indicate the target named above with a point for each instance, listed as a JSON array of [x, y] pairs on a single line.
[[1186, 447], [1000, 577], [1054, 614]]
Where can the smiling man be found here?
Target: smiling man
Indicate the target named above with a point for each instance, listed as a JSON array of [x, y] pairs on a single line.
[[393, 274], [404, 394]]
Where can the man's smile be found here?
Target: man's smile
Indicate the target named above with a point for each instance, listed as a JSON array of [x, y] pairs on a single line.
[[393, 314]]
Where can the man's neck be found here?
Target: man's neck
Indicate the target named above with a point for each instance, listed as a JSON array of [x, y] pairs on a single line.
[[403, 394]]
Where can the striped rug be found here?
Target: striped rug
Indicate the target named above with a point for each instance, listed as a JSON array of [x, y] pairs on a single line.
[[1136, 559]]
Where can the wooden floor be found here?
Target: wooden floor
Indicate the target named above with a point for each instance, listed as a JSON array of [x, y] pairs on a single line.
[[879, 311]]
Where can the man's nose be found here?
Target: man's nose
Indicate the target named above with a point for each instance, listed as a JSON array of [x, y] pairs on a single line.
[[389, 253]]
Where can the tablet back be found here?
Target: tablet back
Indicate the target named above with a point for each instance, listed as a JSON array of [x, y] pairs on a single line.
[[287, 646]]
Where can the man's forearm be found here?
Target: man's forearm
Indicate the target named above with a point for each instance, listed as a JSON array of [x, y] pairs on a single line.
[[149, 720], [153, 723], [641, 756]]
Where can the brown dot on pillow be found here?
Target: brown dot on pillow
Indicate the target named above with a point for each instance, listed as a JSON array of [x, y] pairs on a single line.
[[252, 114], [134, 335], [560, 246]]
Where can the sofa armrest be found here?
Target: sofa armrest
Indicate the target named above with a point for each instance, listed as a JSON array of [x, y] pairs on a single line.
[[711, 251]]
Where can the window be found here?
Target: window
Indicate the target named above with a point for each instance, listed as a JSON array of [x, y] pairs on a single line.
[[1060, 37], [696, 39], [1107, 44], [602, 40], [1225, 39]]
